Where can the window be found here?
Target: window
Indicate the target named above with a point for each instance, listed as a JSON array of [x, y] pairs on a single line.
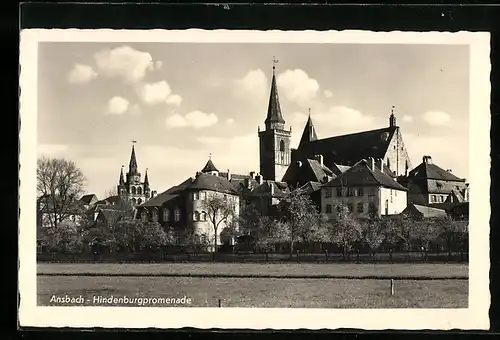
[[328, 192], [155, 215], [361, 192], [166, 215], [139, 191], [328, 209], [339, 192], [371, 192], [203, 195], [133, 191], [350, 207], [196, 216], [204, 239], [177, 215], [282, 152], [372, 207], [196, 195], [139, 201], [391, 191], [441, 199], [361, 207], [133, 201], [350, 192], [433, 198], [203, 216]]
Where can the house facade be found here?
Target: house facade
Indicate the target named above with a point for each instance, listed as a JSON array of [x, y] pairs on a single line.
[[365, 190]]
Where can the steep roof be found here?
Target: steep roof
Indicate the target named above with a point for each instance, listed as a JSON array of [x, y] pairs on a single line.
[[280, 189], [209, 167], [86, 199], [349, 149], [309, 133], [362, 175], [310, 187], [167, 195], [133, 162], [274, 110], [318, 171], [432, 171]]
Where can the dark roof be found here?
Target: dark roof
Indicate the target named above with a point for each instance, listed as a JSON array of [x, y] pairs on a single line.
[[348, 149], [294, 173], [167, 195], [425, 210], [361, 175], [209, 167], [319, 170], [280, 189], [310, 187], [87, 198], [211, 182], [309, 133], [274, 110], [110, 200], [432, 171]]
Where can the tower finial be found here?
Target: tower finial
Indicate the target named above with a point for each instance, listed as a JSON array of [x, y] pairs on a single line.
[[392, 109], [392, 118], [210, 156], [309, 112], [275, 61]]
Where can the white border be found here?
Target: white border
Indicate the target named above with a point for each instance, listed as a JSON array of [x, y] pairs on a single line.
[[474, 317]]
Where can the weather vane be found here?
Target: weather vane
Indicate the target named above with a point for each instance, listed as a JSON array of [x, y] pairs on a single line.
[[275, 61], [134, 141], [393, 107], [210, 155], [309, 111]]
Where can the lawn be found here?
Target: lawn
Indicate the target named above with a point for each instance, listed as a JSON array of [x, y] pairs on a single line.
[[261, 269], [262, 292]]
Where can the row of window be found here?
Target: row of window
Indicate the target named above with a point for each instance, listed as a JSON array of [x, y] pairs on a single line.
[[360, 207], [348, 192], [197, 216], [437, 199]]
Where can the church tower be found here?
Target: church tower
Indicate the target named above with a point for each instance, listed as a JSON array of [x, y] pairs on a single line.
[[309, 133], [132, 188], [274, 140]]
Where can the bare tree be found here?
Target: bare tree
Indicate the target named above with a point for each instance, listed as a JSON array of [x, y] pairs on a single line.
[[373, 234], [219, 209], [60, 183]]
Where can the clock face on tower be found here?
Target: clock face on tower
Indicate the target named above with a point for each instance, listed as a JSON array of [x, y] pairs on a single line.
[[136, 179]]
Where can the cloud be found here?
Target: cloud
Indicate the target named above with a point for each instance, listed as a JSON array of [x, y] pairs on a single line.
[[253, 84], [81, 74], [154, 93], [158, 64], [230, 121], [328, 93], [407, 119], [135, 109], [436, 118], [51, 149], [117, 105], [196, 119], [174, 99], [297, 86], [124, 62]]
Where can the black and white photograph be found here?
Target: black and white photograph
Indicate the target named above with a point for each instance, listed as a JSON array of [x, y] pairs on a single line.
[[244, 179]]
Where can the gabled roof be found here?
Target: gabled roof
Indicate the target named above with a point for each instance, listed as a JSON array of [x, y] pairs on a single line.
[[362, 175], [280, 189], [350, 148], [211, 182], [432, 171], [426, 211], [86, 199], [309, 133], [310, 187], [167, 195], [318, 171]]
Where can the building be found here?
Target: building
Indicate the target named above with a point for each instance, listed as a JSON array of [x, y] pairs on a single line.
[[431, 184], [365, 189], [188, 208], [132, 188], [423, 211]]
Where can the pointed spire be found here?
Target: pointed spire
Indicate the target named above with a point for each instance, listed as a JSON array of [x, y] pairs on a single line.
[[309, 133], [146, 179], [209, 167], [122, 180], [132, 168], [274, 117], [392, 118]]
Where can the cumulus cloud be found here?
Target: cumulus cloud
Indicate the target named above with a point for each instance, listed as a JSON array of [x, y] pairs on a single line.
[[81, 74], [407, 119], [174, 99], [230, 121], [253, 84], [124, 62], [297, 86], [154, 93], [117, 105], [436, 118], [196, 119], [328, 93], [158, 64]]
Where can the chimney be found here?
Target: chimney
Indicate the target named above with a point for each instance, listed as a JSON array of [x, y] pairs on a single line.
[[252, 174], [247, 183], [271, 188], [228, 175], [319, 158], [371, 163], [449, 170], [427, 159], [258, 178], [381, 164]]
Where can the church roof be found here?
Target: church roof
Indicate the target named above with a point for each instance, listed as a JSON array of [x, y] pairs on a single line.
[[309, 133], [274, 110], [86, 199], [349, 149], [209, 167], [361, 175], [210, 182], [133, 161], [432, 171]]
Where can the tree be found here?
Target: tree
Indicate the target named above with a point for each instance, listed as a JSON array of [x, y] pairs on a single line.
[[343, 229], [424, 232], [373, 234], [65, 237], [450, 230], [401, 230], [300, 216], [219, 209], [60, 183]]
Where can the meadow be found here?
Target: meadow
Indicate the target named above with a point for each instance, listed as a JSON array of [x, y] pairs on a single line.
[[262, 285]]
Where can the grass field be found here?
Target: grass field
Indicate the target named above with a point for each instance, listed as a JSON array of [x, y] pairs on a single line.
[[261, 291], [256, 269]]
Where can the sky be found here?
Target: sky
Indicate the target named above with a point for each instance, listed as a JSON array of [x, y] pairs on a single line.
[[182, 102]]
